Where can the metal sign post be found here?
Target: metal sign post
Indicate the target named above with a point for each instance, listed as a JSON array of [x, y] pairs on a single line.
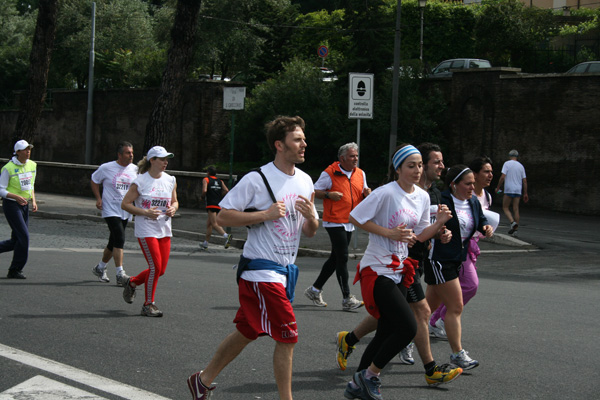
[[360, 106], [233, 99]]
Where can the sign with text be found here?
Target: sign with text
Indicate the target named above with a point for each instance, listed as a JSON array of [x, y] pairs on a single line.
[[360, 96], [233, 98]]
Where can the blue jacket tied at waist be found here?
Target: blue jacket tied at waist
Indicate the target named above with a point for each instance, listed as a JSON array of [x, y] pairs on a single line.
[[290, 271]]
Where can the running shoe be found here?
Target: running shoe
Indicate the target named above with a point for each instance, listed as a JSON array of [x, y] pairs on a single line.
[[204, 245], [343, 350], [352, 393], [121, 278], [444, 373], [100, 273], [199, 391], [128, 291], [351, 303], [463, 360], [438, 330], [315, 297], [228, 241], [151, 310], [406, 354], [371, 388], [513, 227]]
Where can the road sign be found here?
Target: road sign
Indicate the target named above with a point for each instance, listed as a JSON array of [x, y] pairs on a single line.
[[360, 96], [323, 51], [233, 98]]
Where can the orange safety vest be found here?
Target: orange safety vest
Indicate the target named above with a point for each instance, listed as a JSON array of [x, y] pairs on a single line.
[[352, 190]]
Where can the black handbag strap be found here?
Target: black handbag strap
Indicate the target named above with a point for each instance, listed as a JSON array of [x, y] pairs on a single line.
[[264, 178]]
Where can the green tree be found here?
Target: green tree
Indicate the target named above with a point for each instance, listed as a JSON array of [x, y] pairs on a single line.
[[174, 77], [30, 109], [506, 30], [16, 32], [297, 90], [227, 41], [126, 50]]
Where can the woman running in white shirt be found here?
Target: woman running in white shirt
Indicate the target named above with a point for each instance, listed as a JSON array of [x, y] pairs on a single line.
[[395, 215], [152, 198]]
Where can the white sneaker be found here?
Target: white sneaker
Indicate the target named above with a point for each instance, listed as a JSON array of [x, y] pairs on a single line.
[[121, 278], [438, 330], [315, 297], [100, 273], [351, 303], [204, 245], [462, 359], [406, 354]]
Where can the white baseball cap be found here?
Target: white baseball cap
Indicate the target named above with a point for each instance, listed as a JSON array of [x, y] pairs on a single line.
[[158, 151], [22, 145]]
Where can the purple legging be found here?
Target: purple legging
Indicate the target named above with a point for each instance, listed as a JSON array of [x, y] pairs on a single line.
[[467, 276]]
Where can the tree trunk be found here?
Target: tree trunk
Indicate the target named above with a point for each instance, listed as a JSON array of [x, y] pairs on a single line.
[[160, 125], [32, 104]]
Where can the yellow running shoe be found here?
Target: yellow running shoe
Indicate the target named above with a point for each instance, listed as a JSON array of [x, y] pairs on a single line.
[[444, 373], [343, 350]]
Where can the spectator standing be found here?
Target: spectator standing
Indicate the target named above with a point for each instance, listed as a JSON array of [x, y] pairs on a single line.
[[115, 178], [277, 210], [152, 198], [17, 179], [213, 190], [515, 186], [342, 186]]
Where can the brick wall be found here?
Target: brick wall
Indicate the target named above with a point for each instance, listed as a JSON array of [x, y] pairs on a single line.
[[552, 120]]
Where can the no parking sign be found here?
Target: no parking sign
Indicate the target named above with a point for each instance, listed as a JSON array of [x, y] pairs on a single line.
[[323, 51]]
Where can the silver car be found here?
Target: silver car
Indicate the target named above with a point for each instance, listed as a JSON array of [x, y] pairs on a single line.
[[444, 68], [588, 67]]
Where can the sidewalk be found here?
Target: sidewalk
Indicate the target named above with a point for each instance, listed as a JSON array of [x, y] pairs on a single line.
[[191, 224]]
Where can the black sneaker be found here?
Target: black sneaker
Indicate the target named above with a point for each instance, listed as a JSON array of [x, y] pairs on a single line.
[[513, 228], [15, 275]]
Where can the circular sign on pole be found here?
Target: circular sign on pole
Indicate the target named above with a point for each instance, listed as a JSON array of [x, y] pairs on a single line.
[[323, 51]]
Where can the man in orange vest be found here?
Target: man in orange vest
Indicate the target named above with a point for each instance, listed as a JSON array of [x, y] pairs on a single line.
[[341, 186]]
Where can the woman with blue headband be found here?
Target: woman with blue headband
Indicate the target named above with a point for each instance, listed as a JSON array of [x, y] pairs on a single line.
[[442, 271], [395, 215]]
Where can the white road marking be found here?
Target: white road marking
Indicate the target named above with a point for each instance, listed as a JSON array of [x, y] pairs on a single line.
[[78, 375], [40, 387]]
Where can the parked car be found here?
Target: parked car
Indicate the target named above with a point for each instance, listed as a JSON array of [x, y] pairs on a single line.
[[328, 75], [444, 68], [588, 67]]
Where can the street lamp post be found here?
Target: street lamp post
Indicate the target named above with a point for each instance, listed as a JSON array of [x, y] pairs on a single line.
[[422, 4]]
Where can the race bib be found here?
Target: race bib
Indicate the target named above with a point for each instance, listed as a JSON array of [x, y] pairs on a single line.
[[25, 180]]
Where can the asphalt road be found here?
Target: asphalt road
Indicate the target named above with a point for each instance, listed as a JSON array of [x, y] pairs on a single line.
[[533, 325]]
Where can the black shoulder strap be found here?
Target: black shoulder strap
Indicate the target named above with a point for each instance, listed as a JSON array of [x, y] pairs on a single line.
[[264, 178]]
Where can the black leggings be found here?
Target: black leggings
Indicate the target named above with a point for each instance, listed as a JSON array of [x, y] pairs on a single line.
[[396, 326], [116, 226], [337, 261]]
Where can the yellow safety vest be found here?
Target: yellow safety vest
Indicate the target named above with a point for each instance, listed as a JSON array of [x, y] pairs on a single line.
[[21, 178]]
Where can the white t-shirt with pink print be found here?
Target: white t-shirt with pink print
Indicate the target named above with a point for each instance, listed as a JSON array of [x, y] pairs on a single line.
[[390, 206]]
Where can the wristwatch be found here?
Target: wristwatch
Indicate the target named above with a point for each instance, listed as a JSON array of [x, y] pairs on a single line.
[[326, 195]]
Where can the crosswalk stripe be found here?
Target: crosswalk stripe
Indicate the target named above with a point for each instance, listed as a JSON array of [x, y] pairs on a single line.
[[78, 375], [40, 387]]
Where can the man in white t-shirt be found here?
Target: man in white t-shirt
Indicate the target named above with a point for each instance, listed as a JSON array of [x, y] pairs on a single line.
[[515, 186], [276, 211], [115, 178]]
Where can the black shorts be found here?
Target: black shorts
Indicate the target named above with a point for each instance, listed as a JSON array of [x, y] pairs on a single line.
[[437, 272], [213, 210], [116, 226], [415, 292]]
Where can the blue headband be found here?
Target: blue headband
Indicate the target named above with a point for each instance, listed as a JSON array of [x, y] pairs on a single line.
[[402, 154]]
